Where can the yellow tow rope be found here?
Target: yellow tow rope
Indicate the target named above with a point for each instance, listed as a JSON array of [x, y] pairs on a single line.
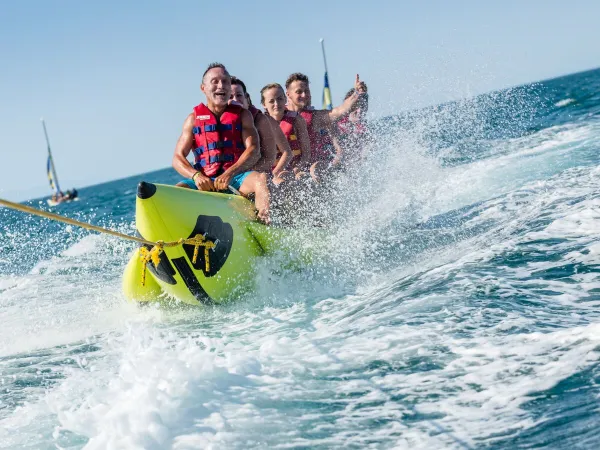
[[145, 255]]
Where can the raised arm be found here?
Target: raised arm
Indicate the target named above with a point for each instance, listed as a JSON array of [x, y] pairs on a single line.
[[248, 158], [302, 134], [344, 108]]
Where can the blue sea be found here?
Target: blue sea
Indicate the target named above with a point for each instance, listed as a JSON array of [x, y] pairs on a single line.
[[459, 306]]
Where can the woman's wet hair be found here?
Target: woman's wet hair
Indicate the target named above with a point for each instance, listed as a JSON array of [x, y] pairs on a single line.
[[238, 82], [266, 88], [235, 81]]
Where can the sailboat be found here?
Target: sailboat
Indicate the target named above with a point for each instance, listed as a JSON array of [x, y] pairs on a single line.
[[57, 195]]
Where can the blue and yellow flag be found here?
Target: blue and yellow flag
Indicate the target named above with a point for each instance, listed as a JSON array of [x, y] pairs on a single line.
[[327, 104]]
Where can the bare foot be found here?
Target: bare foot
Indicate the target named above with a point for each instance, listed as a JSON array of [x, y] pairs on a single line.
[[264, 217], [283, 177]]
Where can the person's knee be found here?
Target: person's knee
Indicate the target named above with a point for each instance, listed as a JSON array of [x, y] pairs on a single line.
[[183, 185], [248, 186], [255, 181], [261, 178]]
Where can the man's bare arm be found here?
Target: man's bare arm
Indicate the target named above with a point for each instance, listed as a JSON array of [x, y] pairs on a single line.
[[344, 108], [302, 136], [183, 148], [185, 143]]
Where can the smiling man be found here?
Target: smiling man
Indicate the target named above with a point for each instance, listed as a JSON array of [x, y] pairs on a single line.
[[323, 143], [224, 142]]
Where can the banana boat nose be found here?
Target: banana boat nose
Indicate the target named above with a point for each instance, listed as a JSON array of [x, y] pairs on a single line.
[[196, 274]]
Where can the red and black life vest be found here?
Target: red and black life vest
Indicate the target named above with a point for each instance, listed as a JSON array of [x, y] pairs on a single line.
[[321, 145], [287, 125], [218, 140]]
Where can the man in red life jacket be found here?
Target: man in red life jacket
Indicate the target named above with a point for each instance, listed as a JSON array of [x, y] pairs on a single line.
[[271, 136], [224, 142], [323, 142]]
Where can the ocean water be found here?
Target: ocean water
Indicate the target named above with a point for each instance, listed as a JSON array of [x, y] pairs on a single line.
[[459, 308]]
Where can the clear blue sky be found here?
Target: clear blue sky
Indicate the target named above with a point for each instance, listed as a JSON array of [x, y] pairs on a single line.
[[115, 80]]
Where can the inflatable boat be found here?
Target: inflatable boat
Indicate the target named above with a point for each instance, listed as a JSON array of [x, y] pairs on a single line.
[[221, 270]]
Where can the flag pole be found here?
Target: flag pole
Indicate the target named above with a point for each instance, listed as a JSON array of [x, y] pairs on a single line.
[[322, 41], [327, 103]]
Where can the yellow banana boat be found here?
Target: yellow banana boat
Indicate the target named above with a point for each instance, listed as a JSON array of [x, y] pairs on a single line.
[[221, 272]]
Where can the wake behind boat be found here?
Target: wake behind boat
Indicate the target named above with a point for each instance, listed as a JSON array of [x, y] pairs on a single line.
[[57, 195]]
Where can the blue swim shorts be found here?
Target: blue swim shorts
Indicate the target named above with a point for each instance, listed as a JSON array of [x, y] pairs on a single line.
[[235, 183]]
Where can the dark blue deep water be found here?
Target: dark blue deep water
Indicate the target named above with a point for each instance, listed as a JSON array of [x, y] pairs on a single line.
[[459, 307]]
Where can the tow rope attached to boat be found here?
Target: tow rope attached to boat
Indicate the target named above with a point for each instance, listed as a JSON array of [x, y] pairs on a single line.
[[145, 255]]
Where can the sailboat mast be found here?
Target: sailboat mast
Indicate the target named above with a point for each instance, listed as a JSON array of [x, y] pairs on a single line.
[[52, 169]]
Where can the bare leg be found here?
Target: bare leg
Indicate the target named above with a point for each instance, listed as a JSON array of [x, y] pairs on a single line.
[[183, 185], [257, 182]]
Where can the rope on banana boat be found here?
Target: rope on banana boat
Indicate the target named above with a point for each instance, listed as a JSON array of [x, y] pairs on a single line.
[[145, 255]]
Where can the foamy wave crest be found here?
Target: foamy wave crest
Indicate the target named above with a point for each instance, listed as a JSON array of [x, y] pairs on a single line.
[[564, 102]]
